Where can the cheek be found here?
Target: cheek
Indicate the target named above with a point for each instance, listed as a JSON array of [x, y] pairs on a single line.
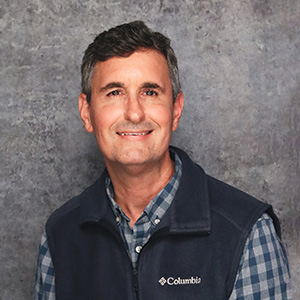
[[163, 116], [104, 117]]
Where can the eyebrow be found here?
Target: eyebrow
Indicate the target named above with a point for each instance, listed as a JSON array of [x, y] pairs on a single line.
[[152, 85], [112, 85], [145, 85]]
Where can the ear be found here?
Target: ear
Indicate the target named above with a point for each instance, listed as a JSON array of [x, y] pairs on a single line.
[[177, 112], [84, 110]]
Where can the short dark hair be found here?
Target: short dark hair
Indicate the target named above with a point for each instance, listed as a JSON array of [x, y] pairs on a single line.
[[122, 41]]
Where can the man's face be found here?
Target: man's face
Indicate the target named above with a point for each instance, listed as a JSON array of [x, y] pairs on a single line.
[[131, 110]]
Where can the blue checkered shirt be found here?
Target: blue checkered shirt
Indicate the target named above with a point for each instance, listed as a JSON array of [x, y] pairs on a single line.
[[263, 272], [137, 236]]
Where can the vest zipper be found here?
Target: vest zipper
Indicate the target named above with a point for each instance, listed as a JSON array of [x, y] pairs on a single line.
[[135, 282]]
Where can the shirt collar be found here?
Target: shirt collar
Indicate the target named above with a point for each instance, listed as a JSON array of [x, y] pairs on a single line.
[[160, 203], [189, 212]]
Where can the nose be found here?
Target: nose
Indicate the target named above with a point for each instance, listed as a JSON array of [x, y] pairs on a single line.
[[134, 110]]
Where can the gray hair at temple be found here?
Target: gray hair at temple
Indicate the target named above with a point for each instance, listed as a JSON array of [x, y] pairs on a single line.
[[122, 41]]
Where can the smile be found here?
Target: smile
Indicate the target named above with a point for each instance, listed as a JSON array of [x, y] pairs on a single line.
[[134, 133]]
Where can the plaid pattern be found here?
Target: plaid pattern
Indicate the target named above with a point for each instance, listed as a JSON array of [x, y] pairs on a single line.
[[264, 270], [135, 238], [45, 279]]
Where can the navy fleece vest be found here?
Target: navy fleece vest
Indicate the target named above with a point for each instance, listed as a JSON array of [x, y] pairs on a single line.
[[193, 254]]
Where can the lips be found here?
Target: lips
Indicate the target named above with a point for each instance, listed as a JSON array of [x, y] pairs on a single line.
[[134, 133]]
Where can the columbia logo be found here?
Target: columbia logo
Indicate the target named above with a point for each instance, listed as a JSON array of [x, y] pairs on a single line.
[[179, 280], [162, 281]]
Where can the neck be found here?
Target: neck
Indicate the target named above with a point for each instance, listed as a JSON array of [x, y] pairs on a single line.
[[136, 186]]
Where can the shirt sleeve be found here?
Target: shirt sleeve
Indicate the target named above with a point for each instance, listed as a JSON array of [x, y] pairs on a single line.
[[44, 288], [264, 270]]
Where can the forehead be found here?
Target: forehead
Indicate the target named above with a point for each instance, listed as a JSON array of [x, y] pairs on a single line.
[[141, 65]]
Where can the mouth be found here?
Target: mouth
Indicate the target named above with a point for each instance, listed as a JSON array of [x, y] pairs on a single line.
[[134, 133]]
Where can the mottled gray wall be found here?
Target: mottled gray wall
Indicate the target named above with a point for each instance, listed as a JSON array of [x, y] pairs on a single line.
[[240, 70]]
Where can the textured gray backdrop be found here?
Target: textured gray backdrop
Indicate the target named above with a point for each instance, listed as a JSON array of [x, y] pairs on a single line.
[[240, 71]]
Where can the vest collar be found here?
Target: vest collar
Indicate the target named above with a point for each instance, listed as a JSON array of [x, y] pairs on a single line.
[[189, 212]]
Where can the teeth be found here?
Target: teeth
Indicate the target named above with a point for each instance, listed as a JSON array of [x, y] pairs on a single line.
[[133, 134]]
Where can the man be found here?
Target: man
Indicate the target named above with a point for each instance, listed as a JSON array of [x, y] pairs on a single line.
[[154, 225]]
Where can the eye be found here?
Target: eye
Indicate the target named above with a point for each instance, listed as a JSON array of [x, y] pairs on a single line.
[[114, 93], [151, 93]]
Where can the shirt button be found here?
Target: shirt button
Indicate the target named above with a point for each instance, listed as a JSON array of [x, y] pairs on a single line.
[[156, 221], [117, 219], [138, 249]]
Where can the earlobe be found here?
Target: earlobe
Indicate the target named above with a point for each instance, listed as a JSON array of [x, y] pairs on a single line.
[[178, 108], [84, 110]]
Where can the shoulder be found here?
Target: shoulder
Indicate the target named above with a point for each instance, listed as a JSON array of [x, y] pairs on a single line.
[[223, 195], [225, 202], [236, 206], [72, 207], [66, 209]]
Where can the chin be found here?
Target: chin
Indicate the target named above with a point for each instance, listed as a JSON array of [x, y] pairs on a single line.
[[136, 157]]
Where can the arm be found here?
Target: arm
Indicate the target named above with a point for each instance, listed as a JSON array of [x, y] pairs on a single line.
[[44, 288], [264, 270]]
